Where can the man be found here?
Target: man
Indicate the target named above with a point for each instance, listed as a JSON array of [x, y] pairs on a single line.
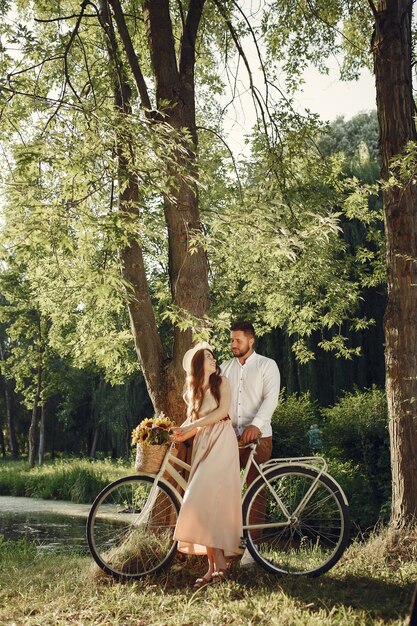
[[255, 383]]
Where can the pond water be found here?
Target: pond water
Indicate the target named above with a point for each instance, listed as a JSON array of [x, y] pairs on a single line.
[[53, 526]]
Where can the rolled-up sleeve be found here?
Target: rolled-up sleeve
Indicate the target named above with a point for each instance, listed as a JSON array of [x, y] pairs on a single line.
[[271, 387]]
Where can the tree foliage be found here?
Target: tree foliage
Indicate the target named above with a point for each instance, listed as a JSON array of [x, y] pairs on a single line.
[[87, 176]]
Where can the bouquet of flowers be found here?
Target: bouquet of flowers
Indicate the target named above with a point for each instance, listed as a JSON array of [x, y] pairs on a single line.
[[153, 431], [151, 438]]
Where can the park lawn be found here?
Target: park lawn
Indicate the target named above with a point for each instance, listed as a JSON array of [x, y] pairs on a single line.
[[372, 585]]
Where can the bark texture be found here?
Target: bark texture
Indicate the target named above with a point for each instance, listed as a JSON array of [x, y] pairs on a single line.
[[34, 421], [41, 452], [13, 446], [392, 50], [188, 273]]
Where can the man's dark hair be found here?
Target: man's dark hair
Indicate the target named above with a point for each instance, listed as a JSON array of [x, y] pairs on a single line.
[[244, 326]]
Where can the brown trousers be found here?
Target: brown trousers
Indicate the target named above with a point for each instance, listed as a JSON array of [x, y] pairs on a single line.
[[263, 453]]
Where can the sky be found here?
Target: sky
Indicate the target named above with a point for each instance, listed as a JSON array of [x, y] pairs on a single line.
[[326, 95], [330, 97]]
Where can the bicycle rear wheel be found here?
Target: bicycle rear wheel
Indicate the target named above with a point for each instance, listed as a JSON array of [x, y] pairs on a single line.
[[314, 534], [130, 529]]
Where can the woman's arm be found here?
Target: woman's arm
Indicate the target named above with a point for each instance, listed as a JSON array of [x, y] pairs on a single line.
[[186, 431]]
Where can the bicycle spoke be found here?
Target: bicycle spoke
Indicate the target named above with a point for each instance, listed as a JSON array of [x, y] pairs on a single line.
[[315, 533], [131, 527]]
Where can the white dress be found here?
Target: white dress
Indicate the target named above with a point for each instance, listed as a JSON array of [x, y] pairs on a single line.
[[211, 513]]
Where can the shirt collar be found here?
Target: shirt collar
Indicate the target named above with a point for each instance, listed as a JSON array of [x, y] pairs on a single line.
[[248, 360]]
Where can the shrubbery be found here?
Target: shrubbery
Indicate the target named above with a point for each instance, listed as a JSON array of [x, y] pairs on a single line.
[[76, 480], [355, 443], [290, 423]]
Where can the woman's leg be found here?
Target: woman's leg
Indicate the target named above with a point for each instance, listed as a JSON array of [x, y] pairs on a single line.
[[217, 567], [208, 576], [220, 563], [211, 563]]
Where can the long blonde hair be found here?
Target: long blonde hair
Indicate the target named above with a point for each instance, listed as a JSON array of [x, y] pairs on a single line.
[[194, 385]]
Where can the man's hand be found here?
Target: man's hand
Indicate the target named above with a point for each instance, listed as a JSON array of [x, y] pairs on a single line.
[[249, 434]]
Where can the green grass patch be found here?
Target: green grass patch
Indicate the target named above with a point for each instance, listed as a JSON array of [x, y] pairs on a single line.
[[76, 480], [371, 586]]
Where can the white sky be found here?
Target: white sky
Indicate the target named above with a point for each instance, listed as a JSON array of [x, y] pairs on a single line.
[[326, 95], [330, 97]]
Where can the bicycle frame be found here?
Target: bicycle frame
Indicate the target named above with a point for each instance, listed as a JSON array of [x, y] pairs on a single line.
[[317, 463], [291, 543]]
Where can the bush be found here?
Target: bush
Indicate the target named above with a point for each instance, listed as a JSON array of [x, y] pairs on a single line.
[[355, 444], [290, 424], [364, 507], [77, 480], [356, 429]]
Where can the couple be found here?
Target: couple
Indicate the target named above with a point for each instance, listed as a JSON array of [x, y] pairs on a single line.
[[238, 399]]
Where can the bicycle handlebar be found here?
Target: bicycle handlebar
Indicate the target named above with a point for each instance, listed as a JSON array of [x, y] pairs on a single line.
[[251, 444]]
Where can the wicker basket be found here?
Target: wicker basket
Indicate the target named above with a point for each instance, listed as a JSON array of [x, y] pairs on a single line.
[[149, 458]]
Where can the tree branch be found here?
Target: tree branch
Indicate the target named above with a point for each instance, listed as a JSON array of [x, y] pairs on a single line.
[[226, 145], [68, 47], [64, 17], [68, 105], [162, 49], [189, 36], [254, 91], [131, 54], [373, 9]]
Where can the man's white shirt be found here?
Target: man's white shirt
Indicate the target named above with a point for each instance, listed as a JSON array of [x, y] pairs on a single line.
[[255, 390]]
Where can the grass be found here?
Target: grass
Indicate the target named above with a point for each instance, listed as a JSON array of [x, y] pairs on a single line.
[[76, 480], [371, 586]]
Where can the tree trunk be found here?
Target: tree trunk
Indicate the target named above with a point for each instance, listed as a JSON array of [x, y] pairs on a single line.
[[93, 448], [392, 50], [14, 450], [188, 273], [41, 453], [2, 444], [34, 420]]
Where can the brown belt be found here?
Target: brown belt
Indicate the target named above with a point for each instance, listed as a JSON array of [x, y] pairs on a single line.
[[225, 418]]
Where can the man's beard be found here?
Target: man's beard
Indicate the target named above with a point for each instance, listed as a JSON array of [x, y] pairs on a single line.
[[239, 353]]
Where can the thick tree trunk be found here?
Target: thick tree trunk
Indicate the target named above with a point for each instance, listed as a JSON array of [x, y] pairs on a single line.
[[188, 273], [392, 48]]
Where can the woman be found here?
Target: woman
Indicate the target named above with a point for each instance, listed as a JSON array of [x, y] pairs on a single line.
[[210, 520]]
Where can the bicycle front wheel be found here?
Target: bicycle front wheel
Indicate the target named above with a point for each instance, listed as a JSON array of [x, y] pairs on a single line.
[[298, 524], [130, 528]]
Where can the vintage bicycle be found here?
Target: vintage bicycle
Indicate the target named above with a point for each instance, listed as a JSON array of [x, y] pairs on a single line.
[[304, 528]]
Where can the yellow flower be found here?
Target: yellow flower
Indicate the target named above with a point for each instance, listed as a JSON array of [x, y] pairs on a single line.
[[144, 436], [152, 430], [164, 422], [135, 435]]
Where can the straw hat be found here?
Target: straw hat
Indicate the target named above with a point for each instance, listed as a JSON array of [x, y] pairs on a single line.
[[188, 356]]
